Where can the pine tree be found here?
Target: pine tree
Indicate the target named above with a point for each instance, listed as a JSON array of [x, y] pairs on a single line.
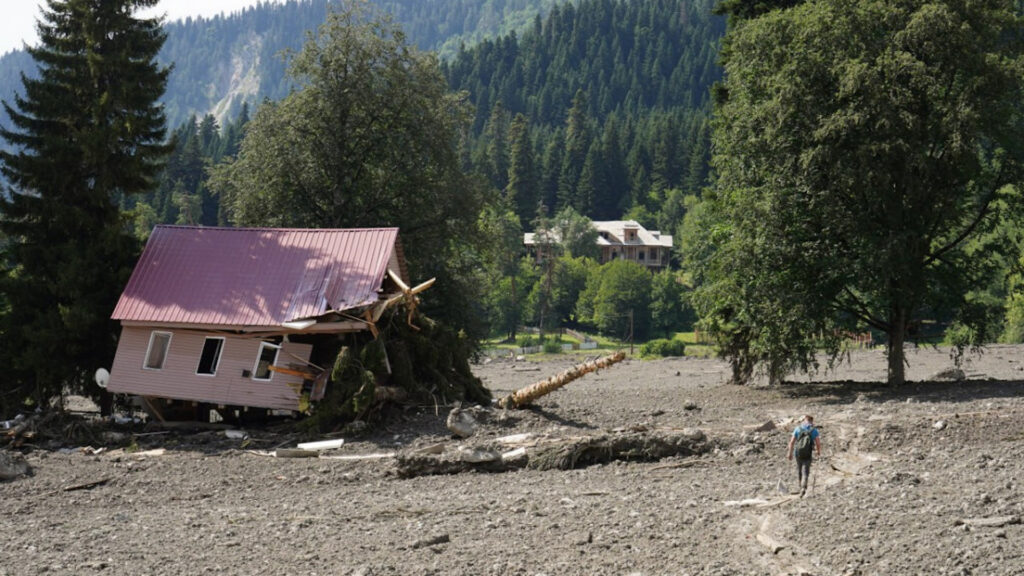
[[577, 144], [523, 190], [89, 132]]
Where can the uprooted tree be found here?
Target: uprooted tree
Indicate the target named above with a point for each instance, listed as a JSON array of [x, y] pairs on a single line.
[[405, 362]]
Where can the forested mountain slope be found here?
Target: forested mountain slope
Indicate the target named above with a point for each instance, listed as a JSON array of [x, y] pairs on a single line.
[[223, 61], [612, 97]]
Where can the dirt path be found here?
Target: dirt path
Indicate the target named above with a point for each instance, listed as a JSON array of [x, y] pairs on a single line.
[[920, 480]]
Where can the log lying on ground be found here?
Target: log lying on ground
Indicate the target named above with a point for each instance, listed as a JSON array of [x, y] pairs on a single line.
[[524, 396], [557, 454]]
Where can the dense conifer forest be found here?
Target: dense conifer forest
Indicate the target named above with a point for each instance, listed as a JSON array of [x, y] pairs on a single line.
[[613, 99], [600, 105]]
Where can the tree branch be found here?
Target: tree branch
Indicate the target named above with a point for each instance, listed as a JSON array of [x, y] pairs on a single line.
[[860, 311]]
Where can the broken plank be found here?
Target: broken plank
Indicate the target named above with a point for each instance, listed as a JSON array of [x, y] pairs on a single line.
[[295, 453], [87, 485], [995, 522], [374, 456]]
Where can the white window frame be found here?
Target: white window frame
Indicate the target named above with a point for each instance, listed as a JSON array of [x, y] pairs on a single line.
[[149, 349], [259, 354], [216, 364]]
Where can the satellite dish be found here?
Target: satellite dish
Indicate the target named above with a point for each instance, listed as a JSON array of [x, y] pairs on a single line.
[[102, 377]]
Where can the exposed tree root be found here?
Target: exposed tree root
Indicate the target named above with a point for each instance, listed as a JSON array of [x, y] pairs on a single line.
[[560, 454]]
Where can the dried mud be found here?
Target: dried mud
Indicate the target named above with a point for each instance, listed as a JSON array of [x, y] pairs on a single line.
[[908, 481]]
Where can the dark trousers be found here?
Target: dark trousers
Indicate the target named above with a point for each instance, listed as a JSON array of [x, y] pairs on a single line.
[[803, 471]]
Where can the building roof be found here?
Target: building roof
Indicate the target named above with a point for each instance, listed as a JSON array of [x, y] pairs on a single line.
[[614, 234], [255, 276]]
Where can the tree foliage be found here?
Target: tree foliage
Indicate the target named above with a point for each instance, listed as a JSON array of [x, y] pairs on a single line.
[[614, 95], [88, 133], [858, 159], [617, 300], [368, 139]]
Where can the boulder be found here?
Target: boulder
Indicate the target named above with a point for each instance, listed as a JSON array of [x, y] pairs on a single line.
[[461, 423], [13, 465]]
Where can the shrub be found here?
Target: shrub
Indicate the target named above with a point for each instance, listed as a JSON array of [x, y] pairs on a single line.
[[552, 347], [663, 347], [525, 340]]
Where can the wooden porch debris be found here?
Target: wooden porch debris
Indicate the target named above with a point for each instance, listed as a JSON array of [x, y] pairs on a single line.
[[293, 372], [525, 396]]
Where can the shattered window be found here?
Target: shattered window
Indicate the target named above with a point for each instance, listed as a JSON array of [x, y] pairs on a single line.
[[266, 359], [156, 353]]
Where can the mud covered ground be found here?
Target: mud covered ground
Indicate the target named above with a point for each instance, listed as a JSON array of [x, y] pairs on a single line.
[[909, 480]]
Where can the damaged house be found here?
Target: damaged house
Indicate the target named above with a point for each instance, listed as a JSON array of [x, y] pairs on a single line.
[[232, 317]]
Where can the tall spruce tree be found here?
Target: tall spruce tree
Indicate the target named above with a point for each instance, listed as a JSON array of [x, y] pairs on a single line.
[[88, 132], [523, 189]]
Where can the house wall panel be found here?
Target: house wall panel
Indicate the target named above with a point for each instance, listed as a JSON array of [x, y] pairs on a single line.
[[178, 378]]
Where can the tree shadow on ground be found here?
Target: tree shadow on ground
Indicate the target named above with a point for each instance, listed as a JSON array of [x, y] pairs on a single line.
[[848, 392]]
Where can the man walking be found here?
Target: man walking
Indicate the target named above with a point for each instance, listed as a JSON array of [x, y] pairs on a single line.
[[802, 444]]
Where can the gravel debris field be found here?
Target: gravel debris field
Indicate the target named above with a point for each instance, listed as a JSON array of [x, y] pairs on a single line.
[[924, 479]]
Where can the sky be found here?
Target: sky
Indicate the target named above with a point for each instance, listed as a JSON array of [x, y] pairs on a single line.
[[17, 22]]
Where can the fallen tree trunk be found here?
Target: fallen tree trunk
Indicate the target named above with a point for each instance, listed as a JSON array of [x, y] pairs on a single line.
[[525, 396], [560, 454]]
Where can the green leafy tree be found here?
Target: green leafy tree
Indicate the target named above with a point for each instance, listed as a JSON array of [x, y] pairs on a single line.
[[668, 303], [507, 284], [617, 300], [367, 139], [569, 278], [88, 133], [576, 233], [857, 159]]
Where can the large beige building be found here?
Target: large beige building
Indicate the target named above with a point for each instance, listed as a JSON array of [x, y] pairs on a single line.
[[622, 240]]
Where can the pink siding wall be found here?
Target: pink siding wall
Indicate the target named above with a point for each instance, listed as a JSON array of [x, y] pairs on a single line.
[[178, 378]]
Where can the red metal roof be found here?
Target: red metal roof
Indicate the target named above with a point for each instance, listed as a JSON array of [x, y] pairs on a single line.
[[254, 276]]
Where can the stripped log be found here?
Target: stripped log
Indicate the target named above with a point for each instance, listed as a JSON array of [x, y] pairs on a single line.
[[525, 396]]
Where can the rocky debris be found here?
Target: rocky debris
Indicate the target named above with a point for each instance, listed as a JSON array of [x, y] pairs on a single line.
[[948, 375], [432, 541], [461, 423], [200, 503], [997, 522], [13, 465]]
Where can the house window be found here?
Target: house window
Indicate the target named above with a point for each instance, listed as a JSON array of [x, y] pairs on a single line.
[[208, 362], [156, 353], [265, 359], [640, 255]]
